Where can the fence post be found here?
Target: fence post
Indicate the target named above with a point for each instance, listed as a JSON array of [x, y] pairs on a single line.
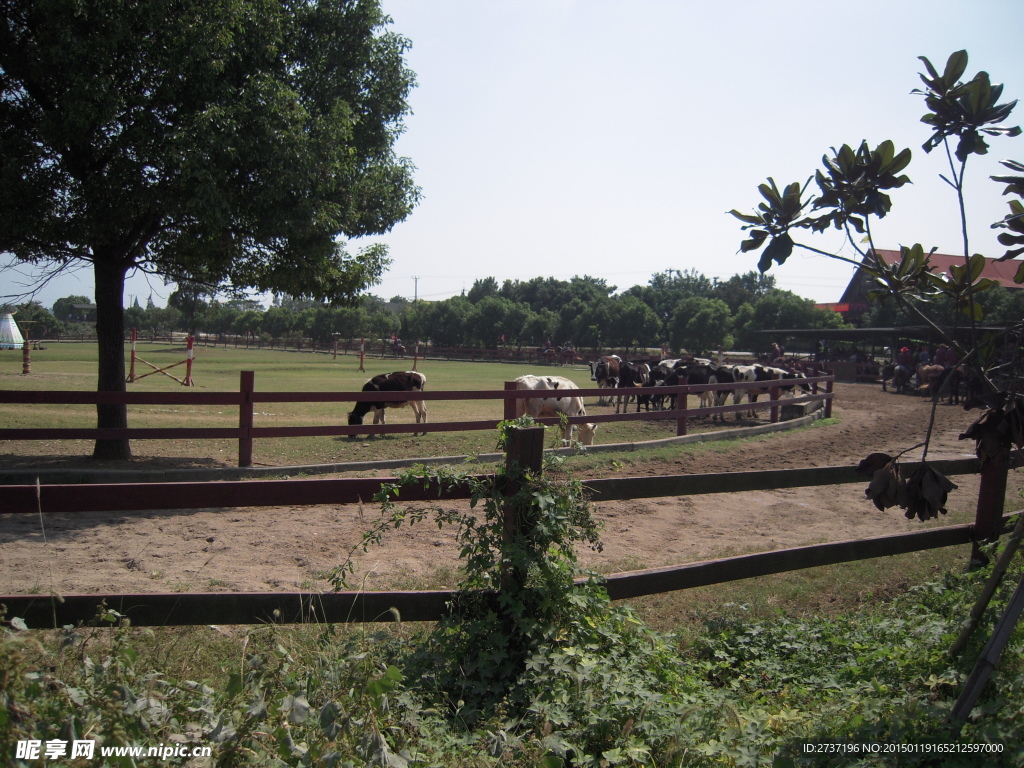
[[526, 449], [991, 499], [773, 414], [828, 391], [246, 387], [131, 370], [681, 406], [510, 404], [189, 341]]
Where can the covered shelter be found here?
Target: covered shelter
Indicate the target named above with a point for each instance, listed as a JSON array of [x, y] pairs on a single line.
[[862, 345]]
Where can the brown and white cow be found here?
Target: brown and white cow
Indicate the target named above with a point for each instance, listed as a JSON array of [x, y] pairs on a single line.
[[605, 371], [397, 381], [570, 405]]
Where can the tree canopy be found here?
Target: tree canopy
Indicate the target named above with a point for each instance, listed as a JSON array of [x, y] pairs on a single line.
[[227, 143]]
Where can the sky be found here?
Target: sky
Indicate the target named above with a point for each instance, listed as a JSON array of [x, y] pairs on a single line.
[[556, 138]]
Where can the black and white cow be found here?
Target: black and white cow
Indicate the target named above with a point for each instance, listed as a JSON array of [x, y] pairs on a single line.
[[757, 373], [398, 381], [570, 405], [633, 375], [605, 371], [723, 375]]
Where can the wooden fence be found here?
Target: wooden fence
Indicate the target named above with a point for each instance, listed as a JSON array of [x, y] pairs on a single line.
[[153, 609], [247, 398]]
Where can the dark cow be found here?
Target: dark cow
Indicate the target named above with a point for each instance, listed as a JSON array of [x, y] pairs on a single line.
[[605, 371], [398, 381], [633, 375], [665, 374]]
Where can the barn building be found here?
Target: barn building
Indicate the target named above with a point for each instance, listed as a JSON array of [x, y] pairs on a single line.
[[854, 301]]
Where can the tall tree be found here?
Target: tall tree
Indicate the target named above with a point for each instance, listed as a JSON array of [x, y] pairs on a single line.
[[225, 142]]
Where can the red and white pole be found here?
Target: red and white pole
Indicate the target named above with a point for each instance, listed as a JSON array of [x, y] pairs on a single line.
[[188, 363], [131, 371], [362, 352], [415, 355]]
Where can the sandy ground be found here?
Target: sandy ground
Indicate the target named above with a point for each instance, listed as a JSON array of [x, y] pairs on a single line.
[[295, 548]]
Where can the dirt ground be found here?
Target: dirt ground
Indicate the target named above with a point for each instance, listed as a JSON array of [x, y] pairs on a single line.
[[295, 548]]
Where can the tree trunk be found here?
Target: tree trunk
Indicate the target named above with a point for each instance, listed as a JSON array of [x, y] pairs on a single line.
[[109, 277]]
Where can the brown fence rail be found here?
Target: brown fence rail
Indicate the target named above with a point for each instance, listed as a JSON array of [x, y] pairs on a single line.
[[247, 397], [254, 608]]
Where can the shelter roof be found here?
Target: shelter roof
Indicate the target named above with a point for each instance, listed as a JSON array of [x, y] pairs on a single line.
[[881, 334], [1000, 271]]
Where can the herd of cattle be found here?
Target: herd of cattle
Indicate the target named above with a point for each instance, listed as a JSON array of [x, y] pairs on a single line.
[[610, 372]]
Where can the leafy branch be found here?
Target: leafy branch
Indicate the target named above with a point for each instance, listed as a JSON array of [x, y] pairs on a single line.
[[853, 186]]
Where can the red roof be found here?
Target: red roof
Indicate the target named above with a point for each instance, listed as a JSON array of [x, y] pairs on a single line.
[[1000, 271]]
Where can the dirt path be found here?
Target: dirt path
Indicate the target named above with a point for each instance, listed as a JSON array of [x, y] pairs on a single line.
[[253, 549]]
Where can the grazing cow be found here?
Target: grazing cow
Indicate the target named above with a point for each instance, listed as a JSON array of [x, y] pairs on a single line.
[[755, 373], [570, 405], [398, 381], [633, 375], [605, 371]]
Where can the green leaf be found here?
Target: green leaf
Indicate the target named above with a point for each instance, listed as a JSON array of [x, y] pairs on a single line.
[[977, 263], [956, 64], [778, 250], [750, 219]]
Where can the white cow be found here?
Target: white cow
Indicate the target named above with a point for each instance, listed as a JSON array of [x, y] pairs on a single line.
[[570, 405]]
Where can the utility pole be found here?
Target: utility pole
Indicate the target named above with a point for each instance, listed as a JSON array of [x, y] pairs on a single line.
[[416, 289]]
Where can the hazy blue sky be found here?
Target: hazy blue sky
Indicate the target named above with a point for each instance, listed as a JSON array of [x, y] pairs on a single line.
[[560, 138]]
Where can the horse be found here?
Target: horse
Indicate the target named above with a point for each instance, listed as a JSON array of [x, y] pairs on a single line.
[[900, 376]]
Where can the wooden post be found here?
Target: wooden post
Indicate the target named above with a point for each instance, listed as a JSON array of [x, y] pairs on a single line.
[[681, 406], [773, 394], [247, 384], [26, 359], [188, 363], [510, 403], [131, 370], [988, 517], [362, 354], [525, 449], [828, 390]]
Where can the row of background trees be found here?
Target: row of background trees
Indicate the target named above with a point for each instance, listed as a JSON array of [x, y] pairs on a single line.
[[684, 310]]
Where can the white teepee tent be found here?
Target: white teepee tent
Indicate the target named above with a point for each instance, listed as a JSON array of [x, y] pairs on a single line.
[[10, 334]]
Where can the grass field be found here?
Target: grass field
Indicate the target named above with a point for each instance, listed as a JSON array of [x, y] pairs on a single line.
[[72, 366]]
